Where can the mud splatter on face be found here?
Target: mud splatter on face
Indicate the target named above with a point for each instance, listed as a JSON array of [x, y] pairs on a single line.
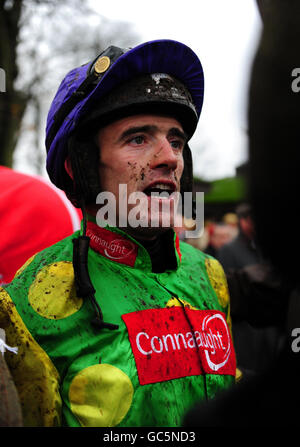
[[134, 174]]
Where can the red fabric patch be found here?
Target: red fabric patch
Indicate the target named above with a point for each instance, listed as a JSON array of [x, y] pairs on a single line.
[[112, 245], [174, 342], [177, 246], [34, 214]]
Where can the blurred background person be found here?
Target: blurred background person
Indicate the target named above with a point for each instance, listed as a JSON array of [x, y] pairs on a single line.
[[33, 215], [249, 275], [10, 408], [243, 249], [220, 234], [232, 221], [271, 399]]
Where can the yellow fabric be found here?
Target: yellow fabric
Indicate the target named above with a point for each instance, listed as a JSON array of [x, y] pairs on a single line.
[[52, 281], [218, 280], [176, 302], [100, 396], [219, 283], [238, 375], [35, 376]]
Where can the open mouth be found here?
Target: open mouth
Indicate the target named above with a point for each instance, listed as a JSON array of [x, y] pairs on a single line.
[[163, 190]]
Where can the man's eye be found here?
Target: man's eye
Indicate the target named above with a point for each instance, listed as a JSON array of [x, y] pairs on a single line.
[[177, 144], [137, 140]]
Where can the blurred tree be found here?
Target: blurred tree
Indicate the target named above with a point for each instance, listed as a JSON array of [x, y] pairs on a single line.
[[40, 40], [12, 102]]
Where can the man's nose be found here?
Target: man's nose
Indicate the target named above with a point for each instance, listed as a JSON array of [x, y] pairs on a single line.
[[164, 156]]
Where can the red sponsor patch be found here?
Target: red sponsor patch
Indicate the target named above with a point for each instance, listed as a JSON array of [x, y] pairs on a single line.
[[111, 245], [174, 342]]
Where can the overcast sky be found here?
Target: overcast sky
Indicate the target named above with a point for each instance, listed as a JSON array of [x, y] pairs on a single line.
[[224, 35]]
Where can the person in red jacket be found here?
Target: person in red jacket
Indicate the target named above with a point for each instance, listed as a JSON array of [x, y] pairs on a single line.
[[33, 215]]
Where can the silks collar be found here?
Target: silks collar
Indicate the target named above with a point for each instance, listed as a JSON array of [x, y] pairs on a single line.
[[116, 245]]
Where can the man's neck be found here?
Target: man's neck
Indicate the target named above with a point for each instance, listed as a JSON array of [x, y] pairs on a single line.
[[159, 244], [161, 252]]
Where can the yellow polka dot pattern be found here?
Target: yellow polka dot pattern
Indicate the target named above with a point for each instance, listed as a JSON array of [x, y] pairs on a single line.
[[35, 376], [218, 280], [52, 294], [100, 396], [175, 302]]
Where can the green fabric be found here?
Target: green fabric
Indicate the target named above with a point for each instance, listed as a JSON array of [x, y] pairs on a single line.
[[74, 345]]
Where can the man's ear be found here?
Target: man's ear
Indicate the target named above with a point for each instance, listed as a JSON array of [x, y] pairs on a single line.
[[68, 167]]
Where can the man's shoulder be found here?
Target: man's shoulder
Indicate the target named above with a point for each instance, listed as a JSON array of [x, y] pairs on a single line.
[[195, 256], [191, 253], [196, 260]]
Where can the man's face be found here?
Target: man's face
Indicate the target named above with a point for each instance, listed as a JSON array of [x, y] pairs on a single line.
[[145, 153], [222, 235], [247, 227]]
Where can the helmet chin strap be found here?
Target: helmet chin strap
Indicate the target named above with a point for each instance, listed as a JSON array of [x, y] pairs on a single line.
[[83, 283]]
